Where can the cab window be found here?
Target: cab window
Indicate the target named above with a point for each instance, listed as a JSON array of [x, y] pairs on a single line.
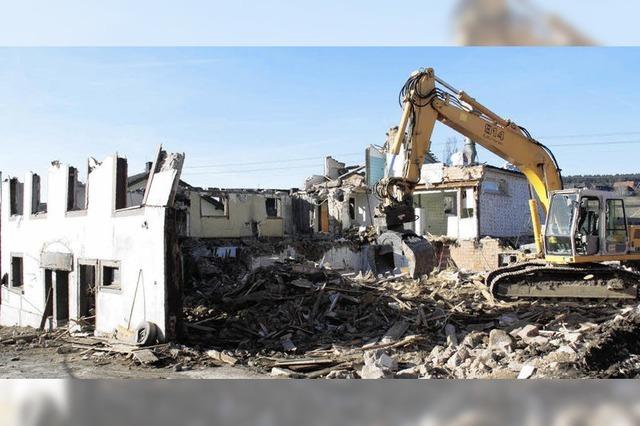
[[616, 227]]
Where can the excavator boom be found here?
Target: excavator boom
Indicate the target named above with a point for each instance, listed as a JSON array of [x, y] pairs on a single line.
[[574, 235], [424, 104]]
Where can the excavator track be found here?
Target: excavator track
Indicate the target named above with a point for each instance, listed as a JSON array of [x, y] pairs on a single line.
[[585, 281]]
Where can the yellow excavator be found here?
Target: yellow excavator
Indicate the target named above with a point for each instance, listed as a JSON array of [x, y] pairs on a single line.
[[585, 248]]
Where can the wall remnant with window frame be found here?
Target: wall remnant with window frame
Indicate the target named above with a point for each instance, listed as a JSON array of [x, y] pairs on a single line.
[[238, 213], [17, 271], [131, 243], [474, 202]]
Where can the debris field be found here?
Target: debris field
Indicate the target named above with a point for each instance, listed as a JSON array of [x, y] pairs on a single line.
[[297, 318]]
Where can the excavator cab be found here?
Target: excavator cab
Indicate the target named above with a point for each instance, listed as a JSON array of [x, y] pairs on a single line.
[[586, 244], [583, 229], [585, 226]]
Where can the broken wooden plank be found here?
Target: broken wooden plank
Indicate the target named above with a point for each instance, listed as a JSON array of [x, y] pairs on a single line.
[[43, 319], [24, 337], [320, 373], [304, 362], [407, 340], [396, 331], [102, 349]]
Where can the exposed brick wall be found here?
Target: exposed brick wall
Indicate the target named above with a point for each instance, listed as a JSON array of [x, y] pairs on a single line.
[[505, 215], [469, 255]]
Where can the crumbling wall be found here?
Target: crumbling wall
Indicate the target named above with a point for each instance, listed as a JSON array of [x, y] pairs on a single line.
[[452, 212], [474, 256], [349, 207], [245, 215], [132, 241]]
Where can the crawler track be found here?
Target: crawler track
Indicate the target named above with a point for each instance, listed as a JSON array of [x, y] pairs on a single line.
[[541, 280]]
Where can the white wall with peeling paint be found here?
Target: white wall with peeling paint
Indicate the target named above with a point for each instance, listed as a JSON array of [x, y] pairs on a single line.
[[135, 237]]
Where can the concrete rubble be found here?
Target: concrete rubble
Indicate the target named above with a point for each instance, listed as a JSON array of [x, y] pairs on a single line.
[[296, 319]]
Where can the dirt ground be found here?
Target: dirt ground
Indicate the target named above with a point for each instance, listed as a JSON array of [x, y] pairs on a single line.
[[37, 362]]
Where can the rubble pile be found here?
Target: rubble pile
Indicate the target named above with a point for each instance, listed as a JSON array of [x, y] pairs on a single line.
[[296, 307], [361, 235], [295, 319]]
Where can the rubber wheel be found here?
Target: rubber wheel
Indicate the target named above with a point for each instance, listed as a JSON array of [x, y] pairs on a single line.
[[146, 333]]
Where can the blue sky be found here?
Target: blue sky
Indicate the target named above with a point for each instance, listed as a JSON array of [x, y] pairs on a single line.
[[269, 22], [265, 117]]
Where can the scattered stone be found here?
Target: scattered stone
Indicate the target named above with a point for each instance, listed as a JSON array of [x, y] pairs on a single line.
[[528, 331], [500, 341], [145, 356], [409, 373], [572, 337], [566, 349], [284, 373], [287, 343], [506, 320], [452, 338], [222, 357], [473, 339], [65, 350], [340, 374], [526, 372], [378, 365], [457, 358], [530, 335]]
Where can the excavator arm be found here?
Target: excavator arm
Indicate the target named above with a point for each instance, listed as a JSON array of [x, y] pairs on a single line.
[[570, 267], [424, 103]]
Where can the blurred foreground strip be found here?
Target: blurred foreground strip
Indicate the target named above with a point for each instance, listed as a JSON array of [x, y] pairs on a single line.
[[319, 403]]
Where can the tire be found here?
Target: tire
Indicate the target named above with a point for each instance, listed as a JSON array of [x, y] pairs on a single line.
[[146, 333]]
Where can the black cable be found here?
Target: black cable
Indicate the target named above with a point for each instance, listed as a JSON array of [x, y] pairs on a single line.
[[547, 150], [423, 99]]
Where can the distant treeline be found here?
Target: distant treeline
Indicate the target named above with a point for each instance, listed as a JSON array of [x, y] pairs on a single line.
[[599, 180]]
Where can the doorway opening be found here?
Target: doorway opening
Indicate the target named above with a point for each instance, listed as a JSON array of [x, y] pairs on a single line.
[[56, 284], [87, 295]]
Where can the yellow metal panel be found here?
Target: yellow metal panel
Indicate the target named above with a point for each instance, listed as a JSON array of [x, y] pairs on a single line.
[[591, 259]]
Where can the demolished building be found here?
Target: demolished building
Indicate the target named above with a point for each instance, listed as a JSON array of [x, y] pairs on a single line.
[[336, 201], [92, 254], [237, 213], [225, 212], [481, 212], [472, 202], [475, 214]]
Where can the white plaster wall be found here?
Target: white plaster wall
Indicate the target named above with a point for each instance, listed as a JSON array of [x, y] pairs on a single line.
[[505, 215], [468, 226], [365, 206], [133, 237], [432, 219]]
